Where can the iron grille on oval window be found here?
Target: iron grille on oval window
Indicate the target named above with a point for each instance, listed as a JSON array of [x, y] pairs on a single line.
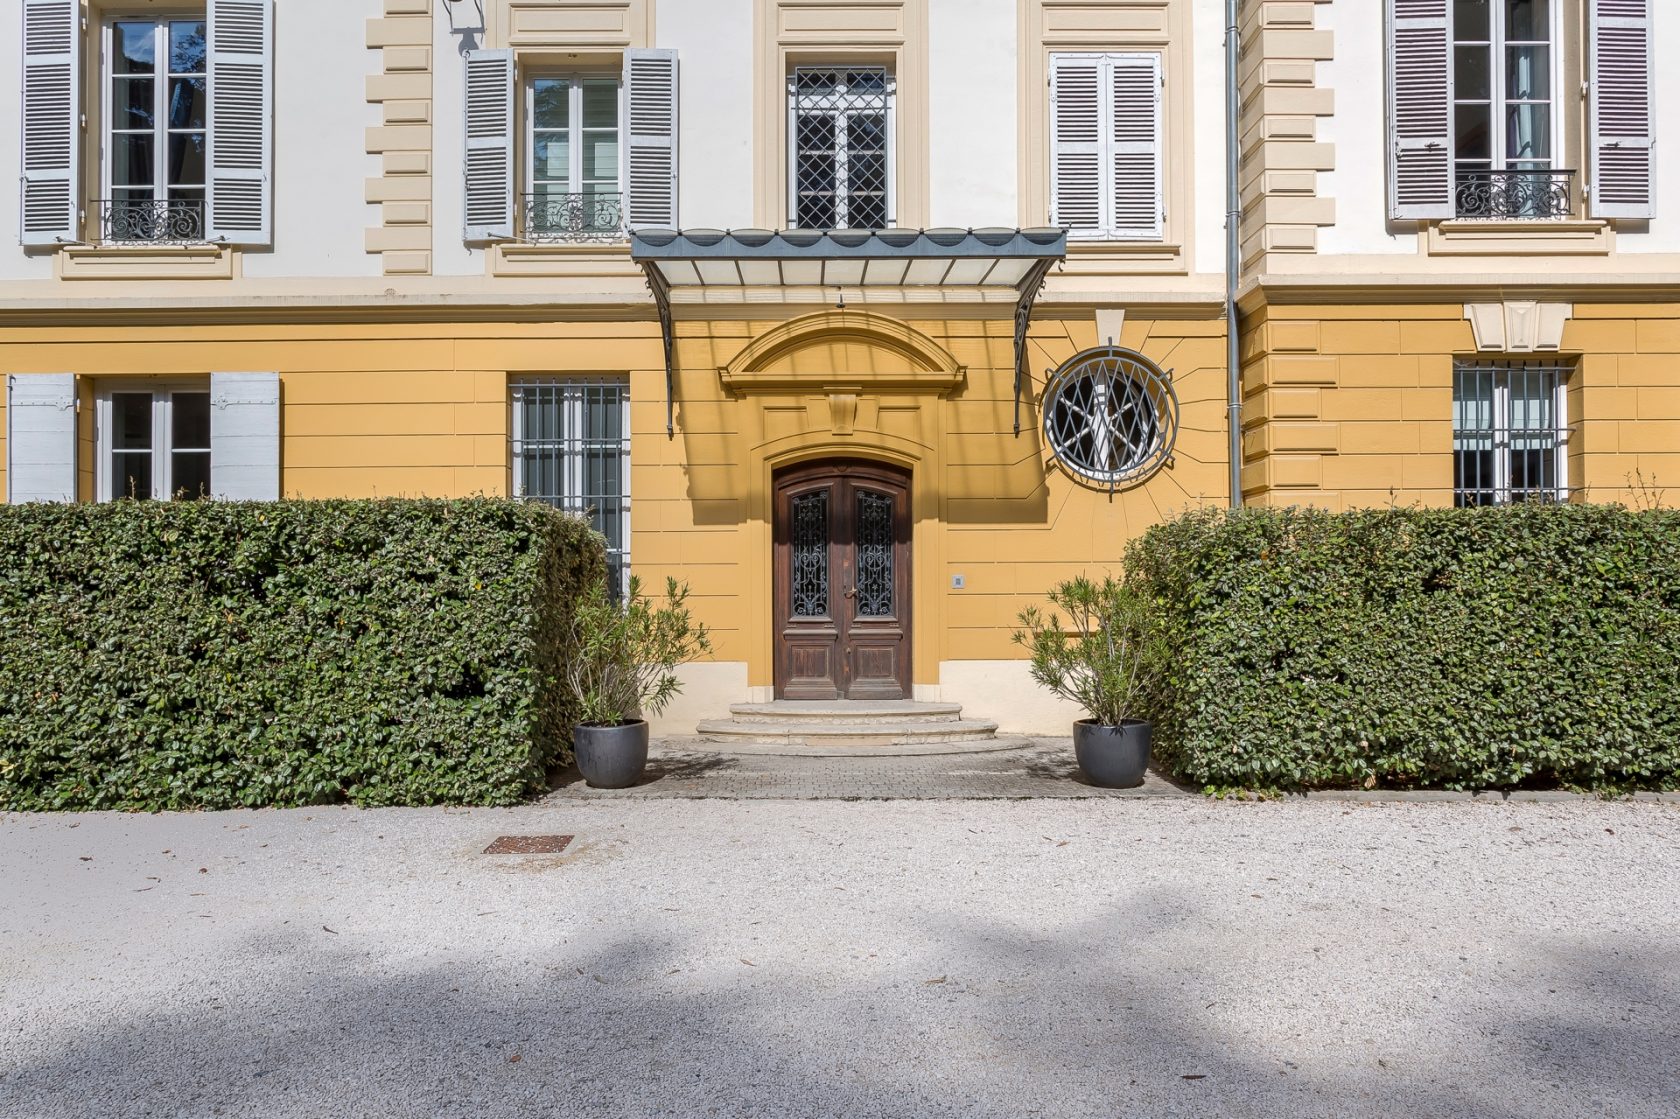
[[839, 135], [1110, 417]]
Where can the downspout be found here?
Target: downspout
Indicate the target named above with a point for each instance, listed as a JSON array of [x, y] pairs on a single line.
[[1233, 251]]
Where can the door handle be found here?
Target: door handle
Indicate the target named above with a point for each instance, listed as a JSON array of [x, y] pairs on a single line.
[[850, 592]]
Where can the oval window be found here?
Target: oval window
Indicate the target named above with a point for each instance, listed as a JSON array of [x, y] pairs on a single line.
[[1110, 417]]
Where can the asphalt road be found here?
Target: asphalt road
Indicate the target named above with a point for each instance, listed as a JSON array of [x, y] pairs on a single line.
[[1164, 957]]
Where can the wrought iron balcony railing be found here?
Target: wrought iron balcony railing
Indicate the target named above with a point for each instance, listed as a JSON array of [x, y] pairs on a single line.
[[550, 219], [167, 222], [1516, 195]]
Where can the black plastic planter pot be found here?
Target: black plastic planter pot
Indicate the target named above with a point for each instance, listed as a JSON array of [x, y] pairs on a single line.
[[611, 757], [1113, 757]]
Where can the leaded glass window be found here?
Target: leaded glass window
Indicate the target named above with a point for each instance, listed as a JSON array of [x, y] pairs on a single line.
[[874, 555], [809, 582], [840, 141], [571, 448], [1509, 435]]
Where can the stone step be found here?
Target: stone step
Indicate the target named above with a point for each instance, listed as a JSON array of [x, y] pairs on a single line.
[[844, 712], [880, 732]]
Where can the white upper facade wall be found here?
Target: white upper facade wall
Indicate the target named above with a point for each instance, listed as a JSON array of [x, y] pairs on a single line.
[[1358, 135], [969, 128]]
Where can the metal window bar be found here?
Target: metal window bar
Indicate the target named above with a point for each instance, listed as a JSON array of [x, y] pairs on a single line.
[[840, 133], [571, 448], [1510, 436]]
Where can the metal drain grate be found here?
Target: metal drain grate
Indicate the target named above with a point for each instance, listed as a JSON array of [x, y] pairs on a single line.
[[529, 845]]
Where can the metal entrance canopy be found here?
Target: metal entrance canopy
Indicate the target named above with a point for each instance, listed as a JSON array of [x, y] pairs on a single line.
[[694, 260]]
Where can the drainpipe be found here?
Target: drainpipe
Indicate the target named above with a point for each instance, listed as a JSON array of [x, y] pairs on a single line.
[[1233, 249]]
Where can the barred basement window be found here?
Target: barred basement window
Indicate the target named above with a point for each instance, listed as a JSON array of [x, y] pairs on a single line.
[[840, 139], [571, 448], [1509, 433]]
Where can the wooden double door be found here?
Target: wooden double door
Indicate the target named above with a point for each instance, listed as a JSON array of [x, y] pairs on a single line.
[[842, 581]]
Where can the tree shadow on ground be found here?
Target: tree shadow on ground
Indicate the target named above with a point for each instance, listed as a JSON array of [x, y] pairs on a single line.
[[1102, 1018]]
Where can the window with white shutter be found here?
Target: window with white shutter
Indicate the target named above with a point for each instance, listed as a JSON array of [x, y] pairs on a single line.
[[1623, 170], [153, 440], [1474, 91], [156, 130], [40, 437], [50, 191], [1106, 145], [241, 116], [489, 152], [650, 83], [573, 168]]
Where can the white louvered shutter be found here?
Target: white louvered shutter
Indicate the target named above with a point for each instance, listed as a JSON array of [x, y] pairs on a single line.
[[40, 437], [1623, 163], [52, 39], [489, 156], [1135, 158], [1076, 147], [245, 436], [650, 93], [1420, 158], [240, 183]]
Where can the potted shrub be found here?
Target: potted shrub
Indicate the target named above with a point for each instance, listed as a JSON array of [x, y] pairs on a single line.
[[1107, 660], [621, 665]]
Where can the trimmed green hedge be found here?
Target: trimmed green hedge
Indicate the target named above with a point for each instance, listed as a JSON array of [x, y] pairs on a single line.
[[1473, 648], [171, 655]]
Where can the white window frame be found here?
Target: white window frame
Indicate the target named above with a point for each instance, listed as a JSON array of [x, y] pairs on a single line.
[[1497, 106], [163, 433], [160, 21], [572, 471], [1502, 370], [574, 118], [891, 144]]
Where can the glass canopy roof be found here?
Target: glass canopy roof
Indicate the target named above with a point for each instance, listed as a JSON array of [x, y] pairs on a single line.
[[684, 265], [898, 258]]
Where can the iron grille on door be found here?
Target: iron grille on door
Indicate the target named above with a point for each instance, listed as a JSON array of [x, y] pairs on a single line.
[[1509, 433], [840, 136], [571, 448]]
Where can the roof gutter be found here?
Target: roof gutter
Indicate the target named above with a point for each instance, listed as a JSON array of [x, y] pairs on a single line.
[[1233, 250]]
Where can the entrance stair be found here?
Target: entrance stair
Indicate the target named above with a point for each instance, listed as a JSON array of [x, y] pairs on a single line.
[[848, 726]]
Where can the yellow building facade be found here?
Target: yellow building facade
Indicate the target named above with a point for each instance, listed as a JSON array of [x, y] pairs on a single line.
[[437, 272]]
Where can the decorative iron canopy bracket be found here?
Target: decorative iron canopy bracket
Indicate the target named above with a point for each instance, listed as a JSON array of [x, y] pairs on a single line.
[[1030, 287], [668, 334]]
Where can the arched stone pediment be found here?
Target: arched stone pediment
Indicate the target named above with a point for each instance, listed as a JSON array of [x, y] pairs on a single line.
[[843, 351]]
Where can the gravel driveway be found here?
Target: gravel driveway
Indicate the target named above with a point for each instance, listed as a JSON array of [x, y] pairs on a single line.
[[1165, 957]]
